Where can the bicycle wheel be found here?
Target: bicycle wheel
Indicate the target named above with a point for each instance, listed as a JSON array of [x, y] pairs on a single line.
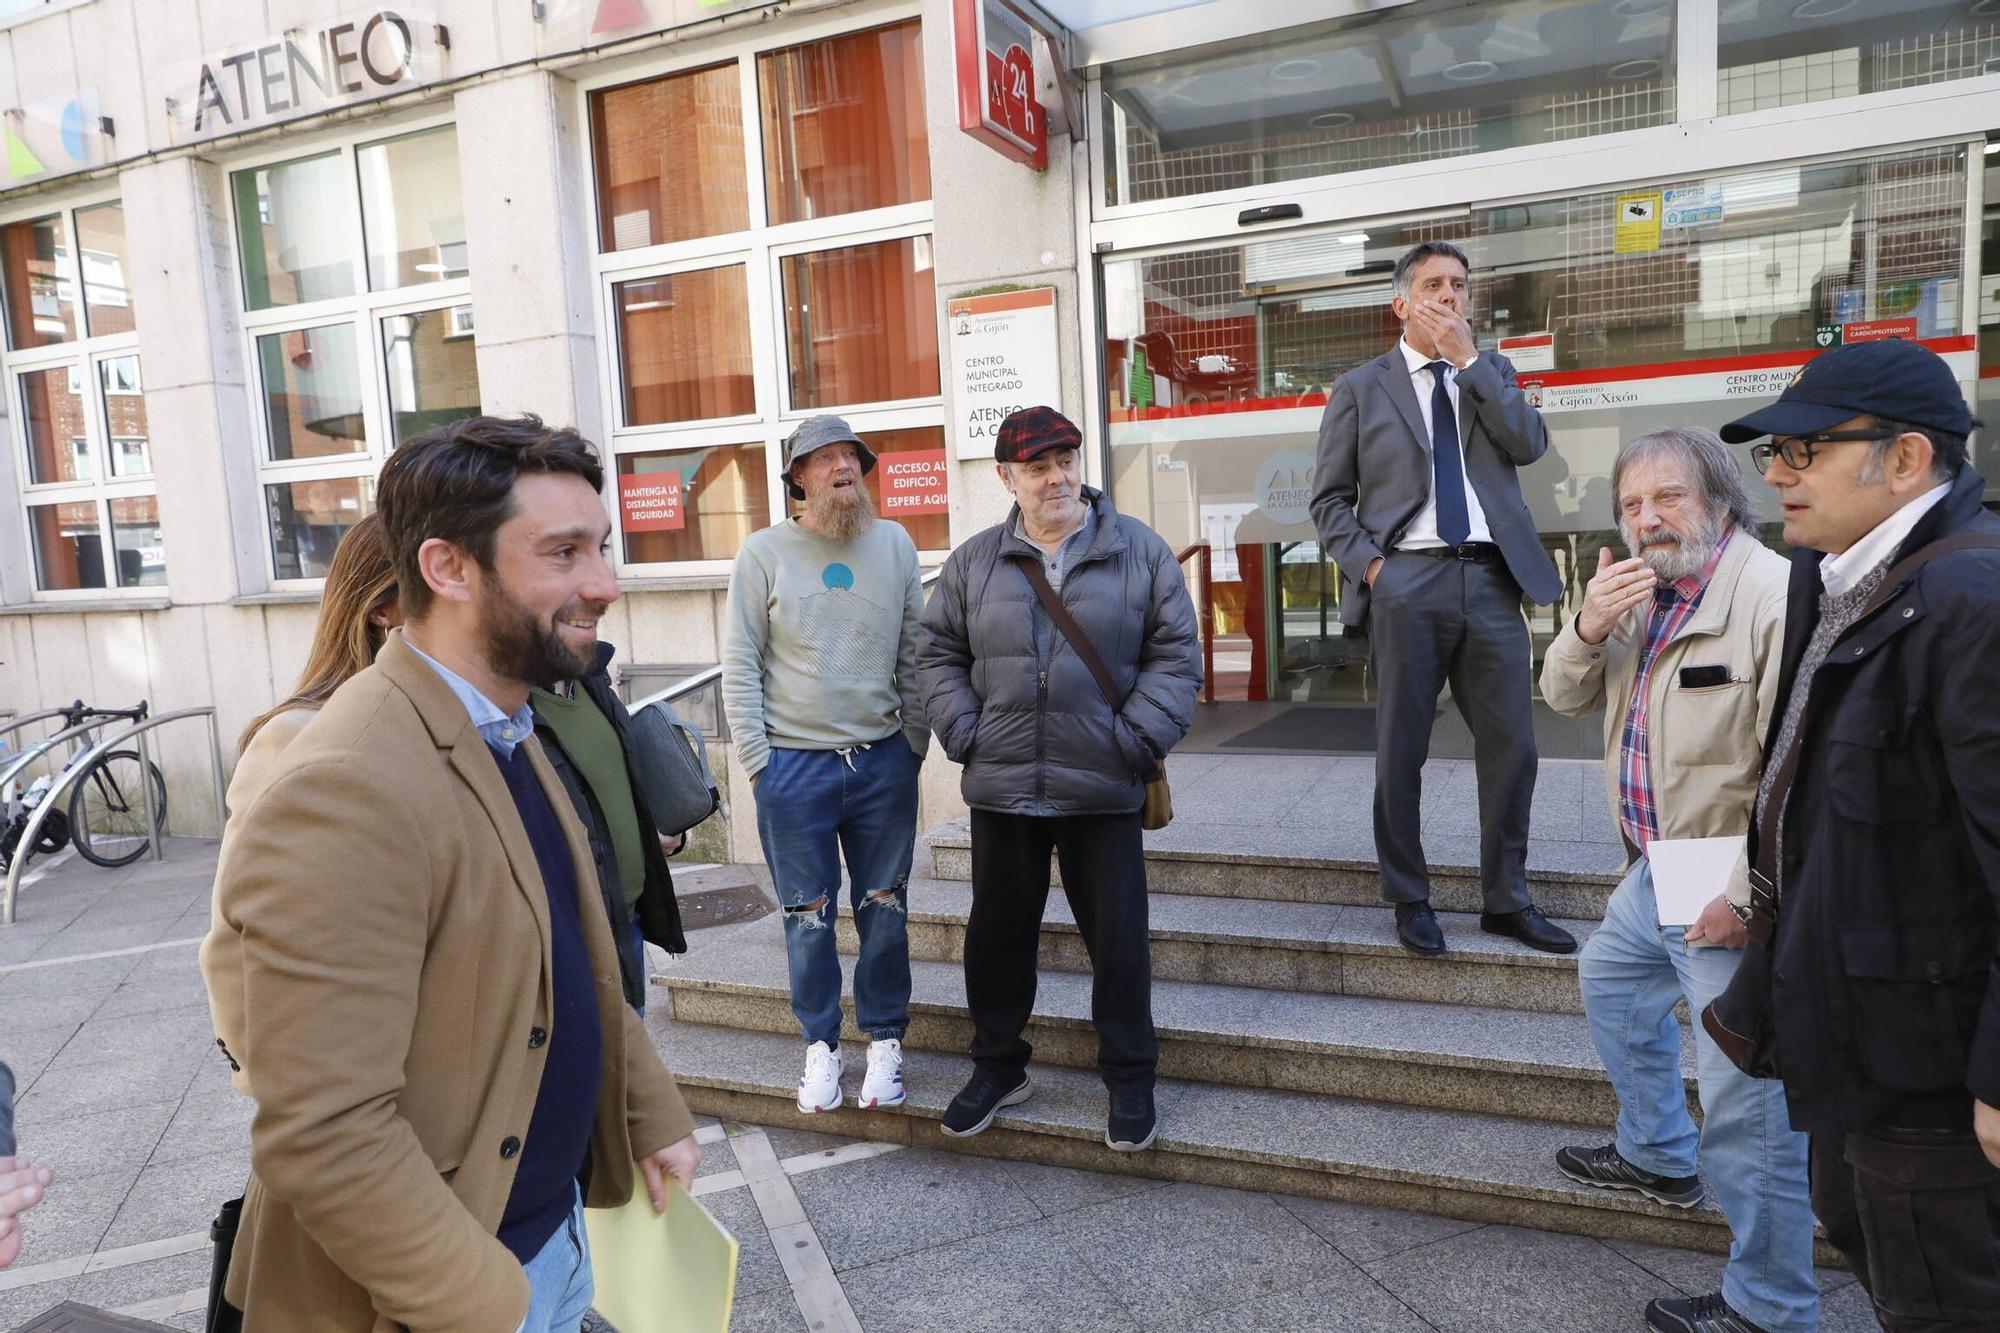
[[107, 809]]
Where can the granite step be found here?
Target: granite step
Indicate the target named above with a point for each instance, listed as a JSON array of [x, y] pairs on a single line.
[[1331, 865], [1479, 1167], [1286, 946], [1459, 1057]]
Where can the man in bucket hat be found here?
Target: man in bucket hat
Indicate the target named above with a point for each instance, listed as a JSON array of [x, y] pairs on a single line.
[[1052, 764], [819, 676], [1876, 842]]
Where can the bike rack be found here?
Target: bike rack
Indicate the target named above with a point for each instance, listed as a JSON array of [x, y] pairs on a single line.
[[82, 763], [20, 722], [21, 761]]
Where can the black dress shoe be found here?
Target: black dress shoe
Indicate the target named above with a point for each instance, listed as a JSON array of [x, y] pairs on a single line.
[[1531, 928], [1417, 928]]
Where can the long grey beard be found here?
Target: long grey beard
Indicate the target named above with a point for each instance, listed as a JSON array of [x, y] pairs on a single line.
[[1675, 560], [842, 514]]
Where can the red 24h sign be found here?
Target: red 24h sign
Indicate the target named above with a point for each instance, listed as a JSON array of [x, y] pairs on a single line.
[[996, 81]]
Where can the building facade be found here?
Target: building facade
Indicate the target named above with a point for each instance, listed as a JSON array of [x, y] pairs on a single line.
[[247, 246]]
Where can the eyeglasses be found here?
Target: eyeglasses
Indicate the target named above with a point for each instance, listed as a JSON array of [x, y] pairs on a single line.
[[1798, 450]]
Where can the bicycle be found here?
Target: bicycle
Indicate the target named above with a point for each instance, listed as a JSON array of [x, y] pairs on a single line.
[[106, 819]]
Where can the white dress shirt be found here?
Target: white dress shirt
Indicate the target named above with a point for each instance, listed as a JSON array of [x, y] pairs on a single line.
[[1838, 573], [1423, 530]]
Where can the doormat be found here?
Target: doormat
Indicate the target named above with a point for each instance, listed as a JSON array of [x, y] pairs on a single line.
[[1310, 727], [69, 1317]]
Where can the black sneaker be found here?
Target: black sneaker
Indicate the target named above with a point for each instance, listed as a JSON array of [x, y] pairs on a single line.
[[1703, 1314], [1133, 1125], [1607, 1168], [981, 1099]]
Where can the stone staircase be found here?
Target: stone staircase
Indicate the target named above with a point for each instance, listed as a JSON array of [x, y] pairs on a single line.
[[1301, 1049]]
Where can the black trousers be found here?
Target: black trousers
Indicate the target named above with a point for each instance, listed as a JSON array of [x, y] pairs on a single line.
[[1431, 621], [1104, 874], [1917, 1213]]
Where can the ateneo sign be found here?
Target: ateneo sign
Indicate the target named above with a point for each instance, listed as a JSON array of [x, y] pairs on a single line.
[[371, 53], [996, 81]]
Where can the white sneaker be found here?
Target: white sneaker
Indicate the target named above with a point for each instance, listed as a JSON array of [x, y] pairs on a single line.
[[819, 1086], [884, 1085]]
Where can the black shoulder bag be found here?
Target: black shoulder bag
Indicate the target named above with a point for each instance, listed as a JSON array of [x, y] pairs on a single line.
[[1158, 810]]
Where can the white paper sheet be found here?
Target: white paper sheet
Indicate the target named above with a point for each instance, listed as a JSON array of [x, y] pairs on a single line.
[[1688, 873]]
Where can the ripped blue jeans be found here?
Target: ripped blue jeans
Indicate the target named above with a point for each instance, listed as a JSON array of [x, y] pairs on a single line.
[[815, 807]]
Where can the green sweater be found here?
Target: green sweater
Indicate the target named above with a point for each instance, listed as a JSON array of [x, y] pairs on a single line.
[[591, 742], [819, 642]]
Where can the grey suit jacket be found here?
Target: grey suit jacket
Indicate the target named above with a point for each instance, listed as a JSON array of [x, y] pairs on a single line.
[[1373, 473]]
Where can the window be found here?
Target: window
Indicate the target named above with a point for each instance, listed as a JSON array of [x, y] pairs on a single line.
[[751, 280], [1379, 89], [77, 396], [1772, 55], [356, 299], [1218, 362]]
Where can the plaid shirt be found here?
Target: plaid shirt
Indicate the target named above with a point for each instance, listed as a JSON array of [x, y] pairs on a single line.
[[1672, 607]]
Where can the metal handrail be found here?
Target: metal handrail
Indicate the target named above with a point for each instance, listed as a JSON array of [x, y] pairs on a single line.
[[708, 676], [47, 743], [45, 714], [84, 762]]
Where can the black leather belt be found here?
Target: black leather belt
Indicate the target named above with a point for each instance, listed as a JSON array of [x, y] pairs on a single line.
[[1462, 551]]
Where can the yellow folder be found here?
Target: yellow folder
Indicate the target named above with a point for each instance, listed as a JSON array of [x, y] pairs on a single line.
[[671, 1272]]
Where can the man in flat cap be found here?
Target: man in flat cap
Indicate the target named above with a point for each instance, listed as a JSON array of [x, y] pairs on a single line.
[[1056, 760], [1868, 986], [819, 677]]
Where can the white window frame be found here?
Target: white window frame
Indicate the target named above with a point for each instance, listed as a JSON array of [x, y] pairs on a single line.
[[84, 353], [364, 309], [761, 249], [1696, 142]]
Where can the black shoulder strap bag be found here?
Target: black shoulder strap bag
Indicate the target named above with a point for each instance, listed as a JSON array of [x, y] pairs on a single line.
[[1158, 810], [1739, 1019]]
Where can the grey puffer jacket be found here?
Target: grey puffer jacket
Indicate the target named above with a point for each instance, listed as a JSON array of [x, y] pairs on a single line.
[[1010, 699]]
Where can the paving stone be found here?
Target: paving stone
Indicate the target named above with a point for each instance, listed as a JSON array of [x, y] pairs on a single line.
[[138, 1041], [29, 986], [71, 1221], [1693, 1273], [787, 1141], [83, 1089], [77, 1146], [1848, 1310], [715, 1159], [1364, 1232], [19, 1307], [205, 1125], [1009, 1281], [1346, 1301], [1509, 1277], [766, 1312], [1061, 1189], [176, 1198], [28, 1050], [907, 1201], [115, 1288], [74, 1007], [149, 994], [757, 1266], [1139, 1247]]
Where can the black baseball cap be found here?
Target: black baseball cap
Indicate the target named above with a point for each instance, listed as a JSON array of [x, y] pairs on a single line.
[[1894, 379]]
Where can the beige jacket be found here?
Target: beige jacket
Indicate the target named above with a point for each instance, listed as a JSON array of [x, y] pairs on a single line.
[[221, 952], [390, 963], [1707, 743]]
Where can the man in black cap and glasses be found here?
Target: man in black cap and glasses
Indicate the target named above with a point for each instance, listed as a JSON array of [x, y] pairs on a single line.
[[1876, 843]]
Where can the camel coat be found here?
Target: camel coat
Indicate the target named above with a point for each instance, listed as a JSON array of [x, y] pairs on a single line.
[[388, 955]]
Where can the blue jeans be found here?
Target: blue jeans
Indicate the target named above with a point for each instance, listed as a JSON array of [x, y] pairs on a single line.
[[559, 1279], [1632, 970], [813, 808]]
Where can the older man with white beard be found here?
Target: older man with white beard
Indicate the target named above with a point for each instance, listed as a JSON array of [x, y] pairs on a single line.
[[819, 676], [1680, 646]]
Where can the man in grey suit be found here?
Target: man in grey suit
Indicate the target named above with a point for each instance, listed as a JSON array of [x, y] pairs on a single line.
[[1415, 495]]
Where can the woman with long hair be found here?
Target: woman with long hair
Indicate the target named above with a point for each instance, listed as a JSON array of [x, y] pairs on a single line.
[[357, 609]]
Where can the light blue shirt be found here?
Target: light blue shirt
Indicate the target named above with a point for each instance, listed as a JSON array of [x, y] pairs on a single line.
[[499, 730]]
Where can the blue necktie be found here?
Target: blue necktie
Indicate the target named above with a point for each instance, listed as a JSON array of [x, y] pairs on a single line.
[[1447, 472]]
